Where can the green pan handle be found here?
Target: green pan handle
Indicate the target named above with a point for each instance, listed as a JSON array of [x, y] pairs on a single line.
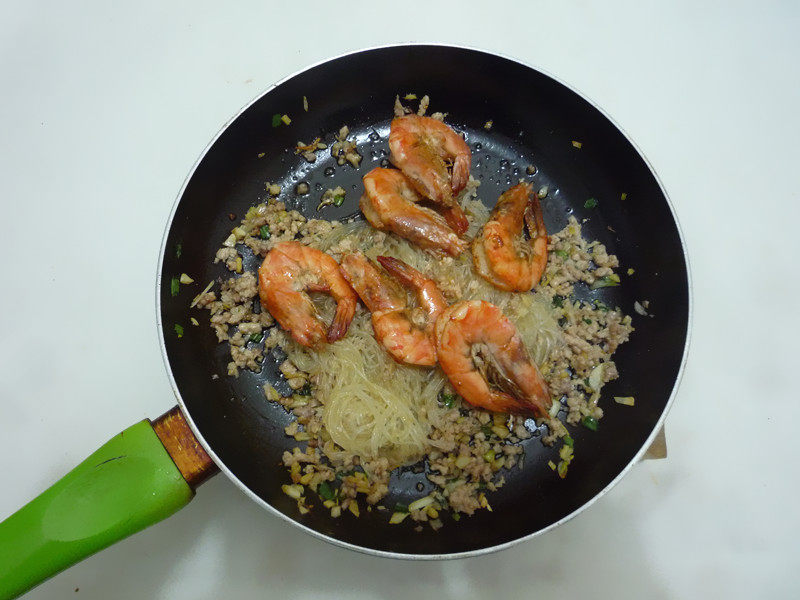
[[129, 483]]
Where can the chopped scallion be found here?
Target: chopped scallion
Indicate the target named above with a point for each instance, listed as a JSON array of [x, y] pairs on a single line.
[[276, 119], [558, 301], [421, 503], [175, 286], [337, 200], [607, 281], [589, 423], [179, 330], [590, 203], [562, 253], [569, 441], [397, 517], [489, 456], [178, 250], [587, 321], [264, 232], [256, 337], [324, 490], [447, 399], [400, 507]]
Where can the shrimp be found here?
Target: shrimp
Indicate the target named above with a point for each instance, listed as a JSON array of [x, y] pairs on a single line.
[[483, 356], [390, 203], [423, 148], [407, 334], [501, 253], [288, 271]]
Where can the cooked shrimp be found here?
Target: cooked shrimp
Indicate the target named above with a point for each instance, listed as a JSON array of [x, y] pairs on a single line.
[[456, 218], [407, 334], [423, 148], [291, 269], [390, 203], [501, 253], [483, 356]]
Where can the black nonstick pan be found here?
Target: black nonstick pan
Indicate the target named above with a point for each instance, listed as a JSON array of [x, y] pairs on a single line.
[[535, 120]]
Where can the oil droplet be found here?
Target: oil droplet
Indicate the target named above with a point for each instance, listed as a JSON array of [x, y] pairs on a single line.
[[385, 163], [420, 486], [329, 172], [478, 146], [374, 137], [515, 171], [503, 164], [318, 187]]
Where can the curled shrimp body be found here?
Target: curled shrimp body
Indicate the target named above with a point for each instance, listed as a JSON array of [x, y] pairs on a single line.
[[290, 270], [407, 334], [501, 253], [483, 356], [423, 148], [390, 203]]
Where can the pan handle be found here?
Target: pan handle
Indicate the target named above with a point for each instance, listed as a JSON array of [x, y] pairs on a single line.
[[136, 479]]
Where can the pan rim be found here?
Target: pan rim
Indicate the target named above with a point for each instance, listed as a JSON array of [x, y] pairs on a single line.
[[402, 555]]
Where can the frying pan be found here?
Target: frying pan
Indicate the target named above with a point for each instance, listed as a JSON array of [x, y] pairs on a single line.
[[150, 470]]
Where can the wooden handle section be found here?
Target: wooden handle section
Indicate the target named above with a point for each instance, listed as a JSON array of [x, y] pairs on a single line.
[[186, 452]]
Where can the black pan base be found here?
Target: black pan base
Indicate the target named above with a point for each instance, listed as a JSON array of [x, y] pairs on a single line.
[[535, 120]]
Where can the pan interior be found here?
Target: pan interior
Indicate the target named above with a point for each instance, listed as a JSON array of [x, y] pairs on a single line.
[[534, 122]]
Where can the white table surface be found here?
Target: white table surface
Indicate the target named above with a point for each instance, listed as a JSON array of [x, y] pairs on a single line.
[[104, 109]]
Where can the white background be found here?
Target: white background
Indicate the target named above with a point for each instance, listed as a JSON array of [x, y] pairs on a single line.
[[104, 109]]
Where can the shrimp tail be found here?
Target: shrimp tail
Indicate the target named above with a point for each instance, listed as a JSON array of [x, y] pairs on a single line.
[[534, 219], [460, 172], [345, 310], [406, 274], [456, 219], [535, 224], [429, 295]]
